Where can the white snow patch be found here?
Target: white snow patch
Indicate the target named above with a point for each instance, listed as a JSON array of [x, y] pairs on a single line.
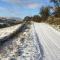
[[6, 31]]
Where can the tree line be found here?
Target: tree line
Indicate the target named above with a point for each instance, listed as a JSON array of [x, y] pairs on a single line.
[[45, 12]]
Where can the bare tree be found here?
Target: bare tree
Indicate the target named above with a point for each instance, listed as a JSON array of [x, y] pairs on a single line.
[[56, 2], [56, 8]]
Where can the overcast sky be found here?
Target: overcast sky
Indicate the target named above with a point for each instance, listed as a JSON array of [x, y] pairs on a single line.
[[21, 8]]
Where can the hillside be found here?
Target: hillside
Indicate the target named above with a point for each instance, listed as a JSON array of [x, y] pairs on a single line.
[[9, 21]]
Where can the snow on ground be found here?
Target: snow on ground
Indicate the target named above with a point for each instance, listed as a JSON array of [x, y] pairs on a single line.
[[57, 27], [38, 42], [8, 30], [22, 47], [50, 40]]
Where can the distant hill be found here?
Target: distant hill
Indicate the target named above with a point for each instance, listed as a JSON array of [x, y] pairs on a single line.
[[9, 21]]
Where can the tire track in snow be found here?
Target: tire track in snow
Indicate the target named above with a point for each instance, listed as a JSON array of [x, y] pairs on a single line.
[[40, 47]]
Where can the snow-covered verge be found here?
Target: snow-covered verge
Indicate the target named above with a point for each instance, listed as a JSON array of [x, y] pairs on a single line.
[[6, 31], [54, 22], [21, 47], [57, 27]]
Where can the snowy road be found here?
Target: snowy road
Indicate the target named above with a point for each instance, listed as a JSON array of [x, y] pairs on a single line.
[[49, 39]]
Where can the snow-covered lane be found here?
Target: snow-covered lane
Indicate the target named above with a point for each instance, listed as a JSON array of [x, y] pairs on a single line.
[[50, 40]]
